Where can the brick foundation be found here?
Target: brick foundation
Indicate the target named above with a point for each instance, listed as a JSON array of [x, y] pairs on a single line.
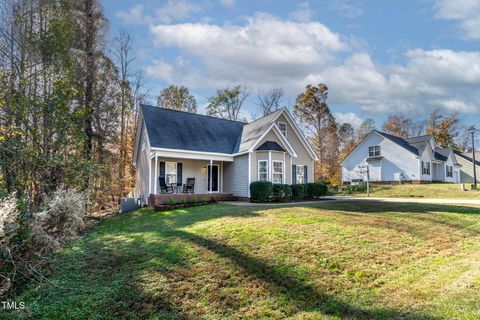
[[161, 199]]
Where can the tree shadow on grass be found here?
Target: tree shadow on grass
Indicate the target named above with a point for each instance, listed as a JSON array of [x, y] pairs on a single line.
[[304, 296], [457, 218]]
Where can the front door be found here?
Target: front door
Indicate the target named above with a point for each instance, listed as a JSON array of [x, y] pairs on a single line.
[[215, 177]]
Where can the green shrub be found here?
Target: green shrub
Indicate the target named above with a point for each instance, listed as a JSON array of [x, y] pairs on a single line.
[[282, 191], [315, 190], [298, 191], [261, 190], [194, 200], [205, 200], [348, 189], [172, 201]]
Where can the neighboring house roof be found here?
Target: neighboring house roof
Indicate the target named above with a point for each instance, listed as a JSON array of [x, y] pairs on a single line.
[[270, 146], [171, 129], [442, 153], [419, 142], [468, 156]]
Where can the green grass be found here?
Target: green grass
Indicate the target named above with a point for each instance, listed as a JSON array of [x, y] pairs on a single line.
[[433, 190], [346, 260]]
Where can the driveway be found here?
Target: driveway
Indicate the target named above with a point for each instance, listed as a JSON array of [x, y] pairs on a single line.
[[410, 200]]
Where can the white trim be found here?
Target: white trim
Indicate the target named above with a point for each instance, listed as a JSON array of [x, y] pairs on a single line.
[[221, 177], [210, 185], [298, 132], [286, 128], [258, 170], [156, 175], [249, 173], [270, 165], [149, 176], [284, 171], [296, 173], [273, 172], [194, 155], [279, 134]]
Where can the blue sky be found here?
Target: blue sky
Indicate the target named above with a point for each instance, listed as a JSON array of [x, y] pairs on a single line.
[[377, 57]]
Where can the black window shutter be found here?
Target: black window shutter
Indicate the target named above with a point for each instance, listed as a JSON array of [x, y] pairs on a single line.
[[162, 169], [294, 174], [305, 174], [179, 174]]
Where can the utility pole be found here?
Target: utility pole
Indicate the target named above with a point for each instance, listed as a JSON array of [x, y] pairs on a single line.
[[473, 130]]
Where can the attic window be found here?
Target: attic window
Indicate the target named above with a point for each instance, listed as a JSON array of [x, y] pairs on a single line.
[[374, 151], [283, 128]]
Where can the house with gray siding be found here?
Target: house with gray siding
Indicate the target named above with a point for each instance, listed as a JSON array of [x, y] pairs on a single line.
[[393, 159], [465, 159], [223, 156]]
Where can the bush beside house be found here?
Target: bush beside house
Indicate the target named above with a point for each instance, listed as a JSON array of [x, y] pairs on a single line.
[[266, 191]]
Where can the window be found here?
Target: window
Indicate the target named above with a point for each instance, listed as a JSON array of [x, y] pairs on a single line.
[[283, 128], [170, 172], [277, 172], [300, 174], [426, 168], [450, 171], [374, 151], [262, 170]]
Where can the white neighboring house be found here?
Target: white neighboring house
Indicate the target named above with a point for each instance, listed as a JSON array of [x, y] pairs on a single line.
[[393, 159], [466, 160]]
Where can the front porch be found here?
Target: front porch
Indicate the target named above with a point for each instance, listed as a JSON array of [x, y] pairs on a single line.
[[169, 175]]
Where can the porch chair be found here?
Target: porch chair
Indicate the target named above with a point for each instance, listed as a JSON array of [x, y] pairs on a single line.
[[164, 188], [189, 187]]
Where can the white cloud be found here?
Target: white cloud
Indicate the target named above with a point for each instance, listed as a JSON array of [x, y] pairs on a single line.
[[227, 3], [268, 52], [349, 9], [172, 10], [304, 13], [467, 12], [132, 16], [176, 10], [349, 117]]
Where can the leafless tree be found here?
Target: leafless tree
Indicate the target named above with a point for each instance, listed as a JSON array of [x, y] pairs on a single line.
[[269, 102]]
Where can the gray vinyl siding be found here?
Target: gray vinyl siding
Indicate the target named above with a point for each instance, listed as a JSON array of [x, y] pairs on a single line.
[[303, 156], [235, 176]]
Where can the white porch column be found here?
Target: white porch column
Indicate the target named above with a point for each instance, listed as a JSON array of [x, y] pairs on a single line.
[[155, 180], [211, 175], [270, 167], [149, 175], [221, 177]]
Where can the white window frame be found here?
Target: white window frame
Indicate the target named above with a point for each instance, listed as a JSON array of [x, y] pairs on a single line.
[[298, 175], [424, 168], [284, 132], [449, 171], [258, 170], [277, 173], [374, 151], [167, 173]]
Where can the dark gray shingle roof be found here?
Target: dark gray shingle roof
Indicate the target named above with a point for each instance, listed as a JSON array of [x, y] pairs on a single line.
[[400, 142], [173, 129], [270, 146]]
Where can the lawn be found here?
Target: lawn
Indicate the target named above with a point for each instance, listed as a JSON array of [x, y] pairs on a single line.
[[345, 260], [433, 190]]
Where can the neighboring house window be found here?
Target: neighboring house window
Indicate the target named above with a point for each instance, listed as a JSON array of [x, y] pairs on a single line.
[[170, 172], [144, 145], [450, 171], [374, 151], [426, 167], [300, 174], [263, 170], [277, 171], [283, 128]]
